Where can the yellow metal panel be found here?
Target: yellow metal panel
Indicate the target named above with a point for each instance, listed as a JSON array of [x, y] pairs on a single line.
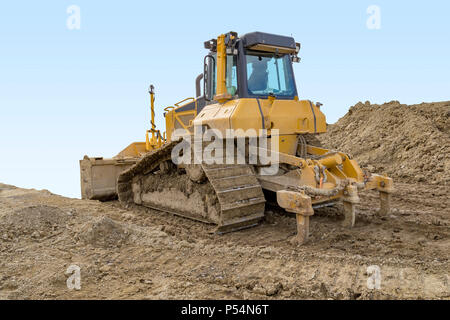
[[135, 149], [247, 115], [295, 202], [169, 125], [287, 144], [176, 120], [381, 183], [290, 117], [217, 116]]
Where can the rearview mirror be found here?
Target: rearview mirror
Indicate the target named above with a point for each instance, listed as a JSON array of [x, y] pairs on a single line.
[[208, 71]]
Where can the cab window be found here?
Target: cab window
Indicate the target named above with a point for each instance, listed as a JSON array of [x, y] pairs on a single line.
[[269, 75], [231, 74]]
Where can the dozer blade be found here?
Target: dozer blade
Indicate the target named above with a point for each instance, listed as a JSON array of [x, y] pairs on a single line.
[[98, 177]]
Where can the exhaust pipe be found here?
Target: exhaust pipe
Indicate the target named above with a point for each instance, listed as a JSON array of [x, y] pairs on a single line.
[[198, 92]]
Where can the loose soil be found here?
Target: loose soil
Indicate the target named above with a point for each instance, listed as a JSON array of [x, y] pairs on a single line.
[[139, 253]]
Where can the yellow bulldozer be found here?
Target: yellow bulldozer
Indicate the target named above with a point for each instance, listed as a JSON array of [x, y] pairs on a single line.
[[249, 106]]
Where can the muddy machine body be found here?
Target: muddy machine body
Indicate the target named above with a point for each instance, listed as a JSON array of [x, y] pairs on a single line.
[[249, 89]]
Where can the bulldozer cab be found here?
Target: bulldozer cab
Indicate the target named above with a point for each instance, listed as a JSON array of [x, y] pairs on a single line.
[[255, 65]]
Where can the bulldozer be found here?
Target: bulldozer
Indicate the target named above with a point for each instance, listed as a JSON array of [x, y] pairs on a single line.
[[249, 89]]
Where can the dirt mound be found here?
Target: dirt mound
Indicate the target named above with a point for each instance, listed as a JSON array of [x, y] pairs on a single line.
[[104, 232], [409, 143], [139, 253], [6, 187], [37, 221]]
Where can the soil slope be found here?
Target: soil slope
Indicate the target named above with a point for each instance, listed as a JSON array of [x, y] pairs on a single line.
[[409, 143]]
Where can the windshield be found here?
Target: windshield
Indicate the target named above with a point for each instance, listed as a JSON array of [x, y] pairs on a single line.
[[267, 74]]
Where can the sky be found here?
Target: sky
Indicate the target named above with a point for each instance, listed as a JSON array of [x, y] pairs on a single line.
[[67, 91]]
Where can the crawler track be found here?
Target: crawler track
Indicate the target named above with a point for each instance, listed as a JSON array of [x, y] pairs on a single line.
[[230, 196]]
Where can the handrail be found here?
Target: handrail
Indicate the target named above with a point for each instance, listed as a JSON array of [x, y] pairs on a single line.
[[178, 103], [169, 108]]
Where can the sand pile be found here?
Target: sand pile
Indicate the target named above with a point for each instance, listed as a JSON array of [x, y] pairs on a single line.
[[35, 221], [104, 232], [408, 143]]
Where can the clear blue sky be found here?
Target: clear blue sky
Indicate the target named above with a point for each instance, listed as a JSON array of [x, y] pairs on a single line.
[[65, 93]]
